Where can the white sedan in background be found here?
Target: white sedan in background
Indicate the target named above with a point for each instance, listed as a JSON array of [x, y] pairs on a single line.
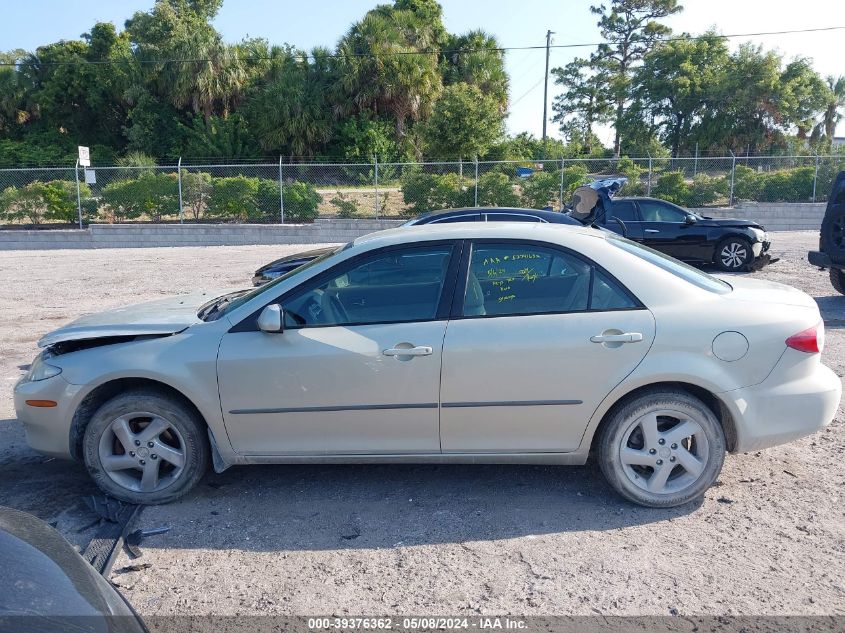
[[517, 343]]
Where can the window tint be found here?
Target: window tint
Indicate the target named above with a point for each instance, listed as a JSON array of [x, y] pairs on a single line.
[[654, 211], [608, 295], [396, 286], [457, 218], [512, 217], [525, 279], [672, 265], [624, 210]]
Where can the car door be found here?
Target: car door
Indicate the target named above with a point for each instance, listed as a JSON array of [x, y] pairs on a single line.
[[536, 342], [626, 212], [665, 229], [356, 369]]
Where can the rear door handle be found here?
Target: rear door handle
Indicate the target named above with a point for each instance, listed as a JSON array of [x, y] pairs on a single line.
[[419, 350], [651, 231], [628, 337]]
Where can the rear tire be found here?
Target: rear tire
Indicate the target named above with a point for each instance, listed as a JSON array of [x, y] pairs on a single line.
[[663, 448], [833, 234], [145, 447], [733, 254], [837, 280]]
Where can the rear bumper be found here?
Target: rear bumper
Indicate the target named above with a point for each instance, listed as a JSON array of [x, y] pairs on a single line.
[[778, 411], [822, 260]]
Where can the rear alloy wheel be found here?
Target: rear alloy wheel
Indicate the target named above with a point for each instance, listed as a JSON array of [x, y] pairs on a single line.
[[662, 449], [145, 447], [733, 254]]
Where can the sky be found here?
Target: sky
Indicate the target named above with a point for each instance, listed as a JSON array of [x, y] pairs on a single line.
[[514, 22]]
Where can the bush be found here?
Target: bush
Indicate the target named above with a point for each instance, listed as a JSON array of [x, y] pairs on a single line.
[[706, 190], [151, 194], [633, 172], [428, 192], [346, 208], [495, 189], [267, 200], [39, 201], [573, 177], [793, 185], [196, 192], [672, 187], [301, 201], [540, 189], [747, 183], [234, 198]]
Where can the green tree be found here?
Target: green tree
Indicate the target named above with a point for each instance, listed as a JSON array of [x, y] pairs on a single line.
[[833, 113], [676, 82], [584, 103], [196, 192], [476, 58], [290, 113], [630, 28], [465, 123]]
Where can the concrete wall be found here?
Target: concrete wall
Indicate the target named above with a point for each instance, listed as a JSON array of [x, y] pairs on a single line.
[[150, 235], [774, 216]]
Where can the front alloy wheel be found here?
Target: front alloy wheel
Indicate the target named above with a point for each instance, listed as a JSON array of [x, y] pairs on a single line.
[[733, 255], [146, 446], [662, 449]]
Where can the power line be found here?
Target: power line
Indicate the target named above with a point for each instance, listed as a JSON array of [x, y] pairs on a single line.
[[457, 51]]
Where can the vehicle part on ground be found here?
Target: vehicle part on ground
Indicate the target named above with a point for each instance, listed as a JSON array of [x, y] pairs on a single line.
[[662, 448], [145, 447], [117, 518]]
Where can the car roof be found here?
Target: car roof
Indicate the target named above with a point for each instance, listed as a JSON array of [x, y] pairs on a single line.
[[549, 216], [554, 233]]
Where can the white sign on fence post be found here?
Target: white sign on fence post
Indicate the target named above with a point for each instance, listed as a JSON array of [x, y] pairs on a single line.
[[84, 156], [90, 177]]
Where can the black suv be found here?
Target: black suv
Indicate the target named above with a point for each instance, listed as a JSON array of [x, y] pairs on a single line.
[[831, 253]]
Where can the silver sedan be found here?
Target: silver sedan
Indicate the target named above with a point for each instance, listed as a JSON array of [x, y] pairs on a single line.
[[518, 343]]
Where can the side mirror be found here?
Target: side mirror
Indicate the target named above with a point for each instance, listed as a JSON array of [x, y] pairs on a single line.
[[690, 219], [271, 319]]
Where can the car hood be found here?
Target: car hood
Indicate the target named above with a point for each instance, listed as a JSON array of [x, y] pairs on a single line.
[[312, 254], [160, 317], [761, 291], [727, 222]]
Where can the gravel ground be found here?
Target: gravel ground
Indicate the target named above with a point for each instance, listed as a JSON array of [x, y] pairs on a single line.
[[768, 539]]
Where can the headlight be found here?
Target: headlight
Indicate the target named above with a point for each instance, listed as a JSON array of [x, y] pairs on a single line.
[[760, 234], [40, 370]]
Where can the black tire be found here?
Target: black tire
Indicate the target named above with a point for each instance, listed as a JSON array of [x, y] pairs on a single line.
[[833, 234], [837, 280], [680, 487], [191, 439], [733, 254]]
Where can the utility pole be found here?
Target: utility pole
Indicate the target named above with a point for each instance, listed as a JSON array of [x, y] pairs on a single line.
[[546, 89]]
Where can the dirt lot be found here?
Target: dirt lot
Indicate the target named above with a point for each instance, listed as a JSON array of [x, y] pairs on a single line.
[[768, 539]]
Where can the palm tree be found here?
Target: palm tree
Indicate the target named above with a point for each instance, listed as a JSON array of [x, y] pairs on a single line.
[[386, 66], [476, 58], [833, 112]]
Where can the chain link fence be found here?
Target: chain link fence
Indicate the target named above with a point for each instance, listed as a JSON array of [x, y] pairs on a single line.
[[302, 192]]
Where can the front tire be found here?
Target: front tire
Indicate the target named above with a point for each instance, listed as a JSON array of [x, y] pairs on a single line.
[[145, 447], [733, 254], [661, 449], [837, 280]]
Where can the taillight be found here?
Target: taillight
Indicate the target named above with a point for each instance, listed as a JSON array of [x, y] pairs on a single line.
[[810, 340]]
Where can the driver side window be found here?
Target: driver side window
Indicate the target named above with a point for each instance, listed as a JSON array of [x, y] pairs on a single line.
[[653, 211], [388, 287]]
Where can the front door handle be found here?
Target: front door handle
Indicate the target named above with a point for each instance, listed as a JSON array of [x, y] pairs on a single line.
[[628, 337], [419, 350], [651, 231]]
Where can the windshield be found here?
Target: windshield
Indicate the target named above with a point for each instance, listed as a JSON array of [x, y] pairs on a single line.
[[672, 265], [225, 303]]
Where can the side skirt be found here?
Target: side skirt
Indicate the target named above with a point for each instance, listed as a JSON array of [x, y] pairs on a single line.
[[574, 458]]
